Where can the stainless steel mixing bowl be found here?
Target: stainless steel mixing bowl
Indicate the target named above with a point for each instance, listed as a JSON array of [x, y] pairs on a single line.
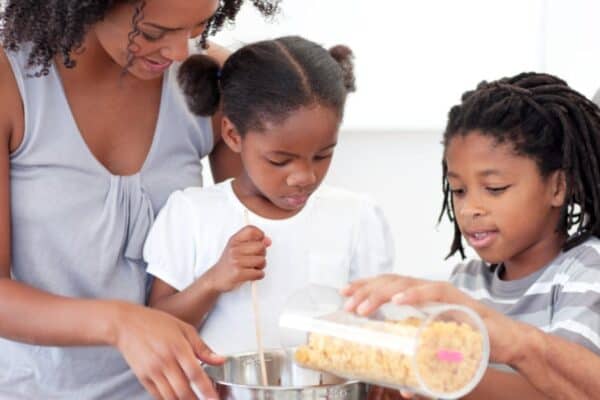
[[239, 379]]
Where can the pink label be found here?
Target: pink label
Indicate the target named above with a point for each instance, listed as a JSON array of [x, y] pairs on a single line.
[[450, 356]]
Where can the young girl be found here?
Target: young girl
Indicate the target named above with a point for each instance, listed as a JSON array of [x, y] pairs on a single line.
[[522, 185], [283, 102]]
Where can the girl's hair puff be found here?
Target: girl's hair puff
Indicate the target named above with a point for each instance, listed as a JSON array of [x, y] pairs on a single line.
[[267, 80]]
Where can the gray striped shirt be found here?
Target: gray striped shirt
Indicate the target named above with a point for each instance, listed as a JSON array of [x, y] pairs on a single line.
[[562, 298]]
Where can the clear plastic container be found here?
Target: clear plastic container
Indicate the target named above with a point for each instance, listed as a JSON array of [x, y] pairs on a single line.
[[437, 350]]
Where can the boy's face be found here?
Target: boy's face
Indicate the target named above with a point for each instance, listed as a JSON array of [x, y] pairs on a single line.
[[506, 210], [166, 27], [286, 162]]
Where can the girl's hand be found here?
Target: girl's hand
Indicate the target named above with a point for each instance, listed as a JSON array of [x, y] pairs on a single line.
[[163, 352], [366, 295], [243, 259]]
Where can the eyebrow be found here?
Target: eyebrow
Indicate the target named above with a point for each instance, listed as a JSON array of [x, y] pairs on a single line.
[[288, 154], [485, 173], [168, 29]]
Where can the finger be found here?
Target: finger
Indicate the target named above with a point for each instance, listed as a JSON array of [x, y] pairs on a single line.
[[164, 388], [248, 233], [178, 379], [251, 248], [267, 241], [349, 289], [369, 289], [252, 274], [200, 349], [381, 292], [193, 370], [252, 262], [406, 395], [151, 388], [421, 294]]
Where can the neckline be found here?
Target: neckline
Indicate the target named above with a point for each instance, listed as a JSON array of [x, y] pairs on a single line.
[[88, 151], [254, 217]]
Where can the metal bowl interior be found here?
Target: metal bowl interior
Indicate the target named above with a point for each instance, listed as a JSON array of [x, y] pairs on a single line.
[[240, 378]]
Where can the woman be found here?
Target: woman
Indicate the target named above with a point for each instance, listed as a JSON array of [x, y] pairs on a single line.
[[95, 136]]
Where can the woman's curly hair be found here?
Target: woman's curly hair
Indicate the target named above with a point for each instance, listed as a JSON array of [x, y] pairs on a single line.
[[58, 27]]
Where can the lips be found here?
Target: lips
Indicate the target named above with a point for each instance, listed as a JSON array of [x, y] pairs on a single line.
[[156, 66], [297, 200], [480, 238]]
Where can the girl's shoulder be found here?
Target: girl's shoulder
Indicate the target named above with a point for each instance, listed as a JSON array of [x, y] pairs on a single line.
[[200, 199], [330, 196]]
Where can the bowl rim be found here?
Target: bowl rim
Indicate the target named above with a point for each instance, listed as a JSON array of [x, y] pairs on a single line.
[[207, 367]]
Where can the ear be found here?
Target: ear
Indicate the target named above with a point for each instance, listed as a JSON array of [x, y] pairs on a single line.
[[230, 135], [558, 185]]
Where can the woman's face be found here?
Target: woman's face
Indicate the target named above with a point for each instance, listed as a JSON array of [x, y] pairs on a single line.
[[165, 29]]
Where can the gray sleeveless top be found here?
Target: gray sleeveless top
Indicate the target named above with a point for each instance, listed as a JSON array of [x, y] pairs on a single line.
[[78, 230]]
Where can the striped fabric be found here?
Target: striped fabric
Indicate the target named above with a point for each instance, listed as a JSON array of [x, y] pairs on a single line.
[[562, 298]]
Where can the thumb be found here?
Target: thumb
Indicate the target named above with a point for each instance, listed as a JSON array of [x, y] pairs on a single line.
[[203, 352]]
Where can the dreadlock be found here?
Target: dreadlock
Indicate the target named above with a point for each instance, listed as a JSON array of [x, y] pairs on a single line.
[[58, 27], [547, 121]]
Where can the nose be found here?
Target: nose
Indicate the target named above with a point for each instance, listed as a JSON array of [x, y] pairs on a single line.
[[303, 176], [469, 207], [177, 48]]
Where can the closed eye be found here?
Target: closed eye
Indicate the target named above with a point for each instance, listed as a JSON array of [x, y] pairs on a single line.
[[323, 157], [497, 189], [278, 163]]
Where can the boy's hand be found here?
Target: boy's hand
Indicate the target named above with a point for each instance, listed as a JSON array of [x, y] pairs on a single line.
[[243, 260], [366, 295]]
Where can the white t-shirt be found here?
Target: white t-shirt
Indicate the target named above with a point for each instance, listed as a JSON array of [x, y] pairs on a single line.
[[337, 237]]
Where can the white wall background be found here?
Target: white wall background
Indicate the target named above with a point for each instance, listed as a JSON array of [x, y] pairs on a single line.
[[413, 61]]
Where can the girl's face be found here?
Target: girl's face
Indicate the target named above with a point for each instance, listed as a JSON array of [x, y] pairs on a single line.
[[166, 26], [505, 209], [286, 162]]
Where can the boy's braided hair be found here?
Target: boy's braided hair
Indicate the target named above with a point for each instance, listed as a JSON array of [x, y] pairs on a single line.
[[547, 121]]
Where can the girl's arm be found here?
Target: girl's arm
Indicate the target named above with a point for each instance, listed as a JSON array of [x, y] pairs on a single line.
[[243, 260], [190, 305], [155, 345]]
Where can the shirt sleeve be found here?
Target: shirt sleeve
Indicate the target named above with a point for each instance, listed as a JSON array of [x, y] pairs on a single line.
[[374, 250], [170, 248], [576, 311]]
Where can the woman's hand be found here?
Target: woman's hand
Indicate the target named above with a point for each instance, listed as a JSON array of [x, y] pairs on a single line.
[[163, 352], [243, 259], [366, 295]]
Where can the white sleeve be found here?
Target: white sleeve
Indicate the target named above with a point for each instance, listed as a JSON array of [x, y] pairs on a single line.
[[374, 250], [170, 248]]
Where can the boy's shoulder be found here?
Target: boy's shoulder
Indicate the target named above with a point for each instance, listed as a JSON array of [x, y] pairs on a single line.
[[581, 259]]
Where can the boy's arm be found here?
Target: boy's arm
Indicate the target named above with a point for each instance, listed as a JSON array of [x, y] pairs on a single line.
[[555, 366], [500, 385]]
